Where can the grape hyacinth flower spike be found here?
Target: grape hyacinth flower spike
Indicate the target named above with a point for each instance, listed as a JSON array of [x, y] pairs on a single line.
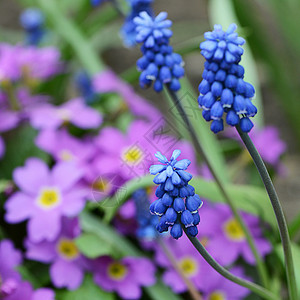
[[159, 64], [177, 204], [223, 89]]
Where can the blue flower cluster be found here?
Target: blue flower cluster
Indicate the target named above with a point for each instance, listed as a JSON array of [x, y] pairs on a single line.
[[223, 89], [159, 64], [128, 31], [85, 86], [96, 2], [32, 20], [177, 204], [146, 221]]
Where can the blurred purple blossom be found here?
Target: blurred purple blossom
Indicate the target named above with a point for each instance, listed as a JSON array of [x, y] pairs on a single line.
[[44, 197], [65, 147], [225, 239], [67, 264], [125, 276], [109, 82], [268, 143], [75, 111], [192, 265], [216, 286], [11, 285], [28, 61]]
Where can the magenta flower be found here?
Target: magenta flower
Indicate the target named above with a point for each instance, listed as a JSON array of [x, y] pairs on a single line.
[[65, 147], [216, 286], [10, 259], [267, 142], [192, 265], [9, 69], [74, 111], [11, 285], [25, 291], [125, 276], [67, 264], [38, 63], [44, 197], [29, 62], [225, 239], [109, 82], [130, 155]]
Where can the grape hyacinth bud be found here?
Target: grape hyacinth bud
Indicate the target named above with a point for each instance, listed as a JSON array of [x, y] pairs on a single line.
[[32, 20], [128, 30], [177, 204], [159, 64], [223, 89]]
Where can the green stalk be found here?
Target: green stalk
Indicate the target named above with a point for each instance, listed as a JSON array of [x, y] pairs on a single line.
[[283, 229], [71, 33], [294, 226], [262, 292], [260, 265]]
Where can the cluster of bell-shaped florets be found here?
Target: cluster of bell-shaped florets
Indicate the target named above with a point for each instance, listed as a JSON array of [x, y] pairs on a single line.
[[223, 89], [159, 64], [177, 204]]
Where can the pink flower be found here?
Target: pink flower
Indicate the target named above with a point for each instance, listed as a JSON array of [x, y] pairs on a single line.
[[44, 197], [191, 263], [224, 238], [67, 264], [125, 276], [74, 111], [108, 82]]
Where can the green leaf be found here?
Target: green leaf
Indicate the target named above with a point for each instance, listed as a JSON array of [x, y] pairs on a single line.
[[92, 246], [93, 225], [88, 290], [19, 146], [296, 259], [3, 185], [248, 198], [159, 291]]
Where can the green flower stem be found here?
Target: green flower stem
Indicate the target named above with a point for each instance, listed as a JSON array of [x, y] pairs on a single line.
[[260, 265], [283, 229], [190, 286], [294, 226], [264, 293], [71, 33]]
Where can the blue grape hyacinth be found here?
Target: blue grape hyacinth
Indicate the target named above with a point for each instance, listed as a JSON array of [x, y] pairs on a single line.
[[177, 204], [128, 31], [159, 64], [223, 89], [32, 20]]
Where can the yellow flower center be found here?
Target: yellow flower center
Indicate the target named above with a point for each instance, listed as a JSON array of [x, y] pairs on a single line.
[[49, 198], [217, 296], [66, 155], [102, 185], [64, 114], [189, 266], [117, 271], [233, 230], [67, 249], [133, 155]]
